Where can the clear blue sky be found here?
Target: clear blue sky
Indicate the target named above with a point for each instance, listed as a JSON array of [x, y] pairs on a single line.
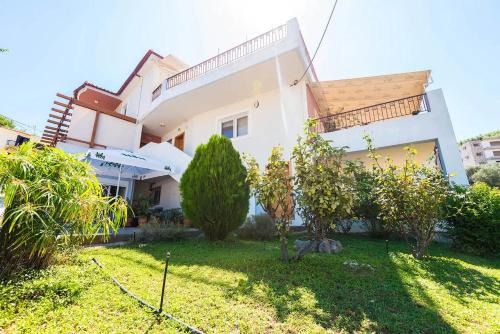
[[56, 45]]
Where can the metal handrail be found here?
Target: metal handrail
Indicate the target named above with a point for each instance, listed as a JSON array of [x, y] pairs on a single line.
[[407, 106], [156, 92], [228, 56]]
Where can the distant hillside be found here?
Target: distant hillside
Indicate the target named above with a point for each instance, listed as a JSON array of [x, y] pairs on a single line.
[[492, 134]]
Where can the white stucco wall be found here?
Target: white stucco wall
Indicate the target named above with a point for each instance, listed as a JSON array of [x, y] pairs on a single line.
[[111, 131], [269, 125]]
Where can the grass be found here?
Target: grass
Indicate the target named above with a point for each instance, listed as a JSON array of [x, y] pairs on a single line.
[[241, 286]]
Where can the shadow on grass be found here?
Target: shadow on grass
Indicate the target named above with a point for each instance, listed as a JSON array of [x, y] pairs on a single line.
[[461, 282], [342, 300]]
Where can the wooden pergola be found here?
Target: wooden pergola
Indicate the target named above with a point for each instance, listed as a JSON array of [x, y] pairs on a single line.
[[57, 126], [58, 123]]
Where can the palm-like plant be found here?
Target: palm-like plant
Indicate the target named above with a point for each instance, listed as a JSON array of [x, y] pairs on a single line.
[[51, 199]]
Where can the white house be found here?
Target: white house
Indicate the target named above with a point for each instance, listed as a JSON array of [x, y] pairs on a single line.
[[251, 94]]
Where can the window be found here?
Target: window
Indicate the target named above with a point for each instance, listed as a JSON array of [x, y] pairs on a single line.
[[475, 144], [242, 126], [496, 153], [155, 195], [495, 143], [227, 128], [235, 127], [169, 141], [479, 154]]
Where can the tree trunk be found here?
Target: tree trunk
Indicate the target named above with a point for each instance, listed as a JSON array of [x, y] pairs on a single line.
[[284, 249]]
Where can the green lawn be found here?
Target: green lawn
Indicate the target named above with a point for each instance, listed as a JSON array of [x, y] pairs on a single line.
[[242, 287]]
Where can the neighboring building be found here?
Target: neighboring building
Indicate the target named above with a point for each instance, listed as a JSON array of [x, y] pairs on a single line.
[[11, 137], [480, 152], [165, 109]]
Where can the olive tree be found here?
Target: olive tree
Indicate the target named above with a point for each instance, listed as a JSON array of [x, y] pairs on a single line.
[[273, 191], [409, 197], [323, 183]]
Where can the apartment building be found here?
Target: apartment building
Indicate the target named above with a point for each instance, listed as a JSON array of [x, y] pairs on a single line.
[[150, 127], [478, 152]]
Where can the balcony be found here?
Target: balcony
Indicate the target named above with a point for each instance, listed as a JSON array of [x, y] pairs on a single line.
[[249, 70], [240, 51], [408, 106], [258, 43]]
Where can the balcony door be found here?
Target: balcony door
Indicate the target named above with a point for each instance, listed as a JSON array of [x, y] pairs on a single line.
[[179, 142]]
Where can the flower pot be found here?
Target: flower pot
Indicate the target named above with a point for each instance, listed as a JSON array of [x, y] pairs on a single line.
[[130, 222], [143, 220]]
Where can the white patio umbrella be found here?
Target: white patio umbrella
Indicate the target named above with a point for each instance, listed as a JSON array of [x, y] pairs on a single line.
[[124, 163]]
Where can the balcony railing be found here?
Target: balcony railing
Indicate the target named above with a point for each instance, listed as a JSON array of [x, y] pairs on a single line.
[[412, 105], [156, 92], [229, 56]]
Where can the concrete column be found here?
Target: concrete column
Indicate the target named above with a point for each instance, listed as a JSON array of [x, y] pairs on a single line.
[[448, 147]]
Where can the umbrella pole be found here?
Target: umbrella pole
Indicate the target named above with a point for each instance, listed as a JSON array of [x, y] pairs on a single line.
[[118, 184]]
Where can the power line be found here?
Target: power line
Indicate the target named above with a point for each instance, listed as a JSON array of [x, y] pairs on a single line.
[[319, 44]]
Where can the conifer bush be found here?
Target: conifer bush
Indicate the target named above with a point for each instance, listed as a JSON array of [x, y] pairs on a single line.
[[213, 188]]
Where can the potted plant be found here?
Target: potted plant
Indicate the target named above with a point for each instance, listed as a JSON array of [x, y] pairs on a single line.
[[141, 208], [130, 214]]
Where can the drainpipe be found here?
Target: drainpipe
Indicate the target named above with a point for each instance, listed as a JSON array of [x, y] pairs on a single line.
[[140, 95]]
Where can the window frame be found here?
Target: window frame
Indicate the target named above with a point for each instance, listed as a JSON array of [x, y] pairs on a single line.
[[234, 118]]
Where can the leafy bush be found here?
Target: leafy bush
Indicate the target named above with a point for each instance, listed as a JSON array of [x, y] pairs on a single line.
[[156, 231], [324, 186], [474, 218], [489, 174], [52, 200], [273, 190], [365, 204], [214, 190], [345, 225], [258, 227], [409, 197]]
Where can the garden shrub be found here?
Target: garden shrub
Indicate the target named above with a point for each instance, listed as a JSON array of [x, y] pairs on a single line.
[[410, 198], [157, 231], [213, 188], [168, 216], [473, 221], [324, 185], [52, 200], [489, 174], [258, 227], [273, 191], [365, 205], [345, 225]]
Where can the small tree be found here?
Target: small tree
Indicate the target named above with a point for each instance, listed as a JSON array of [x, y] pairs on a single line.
[[409, 198], [489, 174], [274, 192], [214, 189], [324, 185], [52, 200]]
